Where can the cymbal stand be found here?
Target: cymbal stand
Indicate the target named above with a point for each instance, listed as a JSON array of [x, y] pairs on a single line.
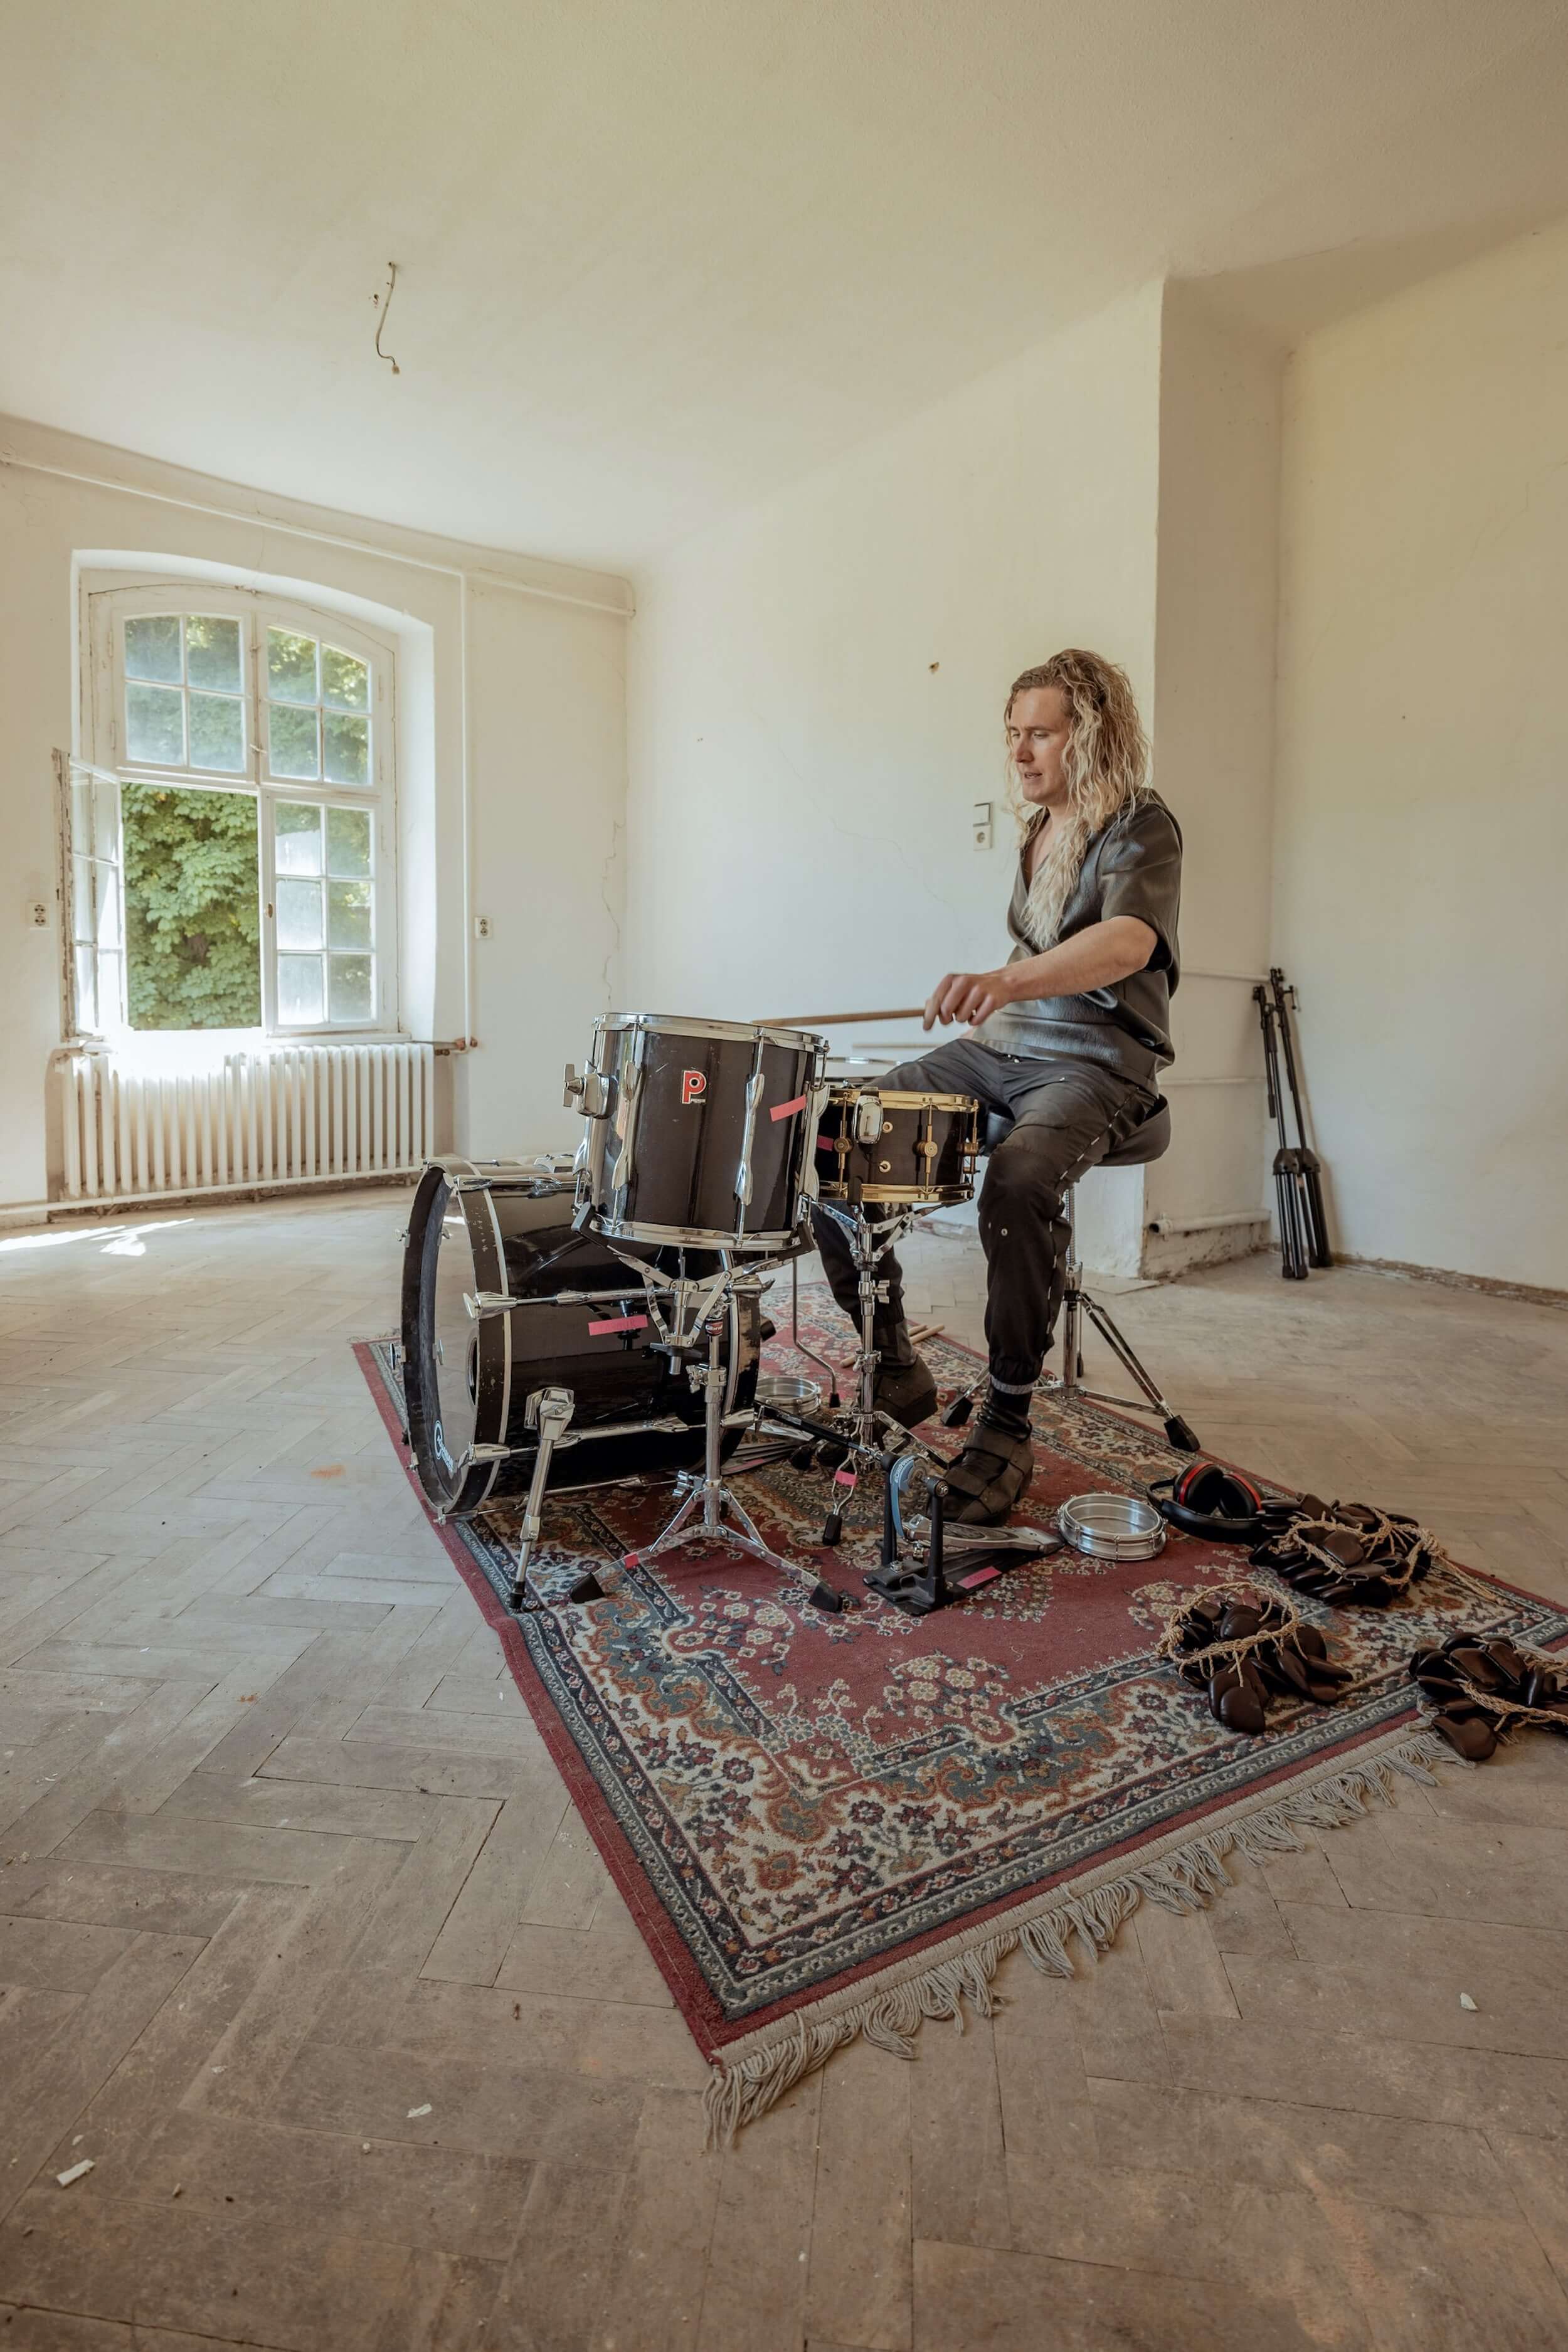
[[696, 1330]]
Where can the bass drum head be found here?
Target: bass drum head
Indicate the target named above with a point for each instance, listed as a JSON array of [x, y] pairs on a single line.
[[454, 1366], [578, 1321]]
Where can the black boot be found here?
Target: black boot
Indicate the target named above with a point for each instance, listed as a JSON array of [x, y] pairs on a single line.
[[905, 1389], [995, 1467]]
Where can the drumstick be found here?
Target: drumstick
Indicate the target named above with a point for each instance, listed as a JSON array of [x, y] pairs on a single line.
[[839, 1020]]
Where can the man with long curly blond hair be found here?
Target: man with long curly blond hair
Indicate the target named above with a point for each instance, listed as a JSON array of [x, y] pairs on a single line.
[[1068, 1036]]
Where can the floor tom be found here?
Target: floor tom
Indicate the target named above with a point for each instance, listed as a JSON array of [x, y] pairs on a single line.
[[699, 1132]]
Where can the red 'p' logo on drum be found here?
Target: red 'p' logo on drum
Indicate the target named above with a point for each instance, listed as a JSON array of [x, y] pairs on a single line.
[[693, 1086]]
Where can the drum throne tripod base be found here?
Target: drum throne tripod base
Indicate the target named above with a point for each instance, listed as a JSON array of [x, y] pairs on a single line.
[[1080, 1307]]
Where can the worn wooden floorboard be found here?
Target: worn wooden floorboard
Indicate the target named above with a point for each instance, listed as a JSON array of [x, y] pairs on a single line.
[[302, 1944]]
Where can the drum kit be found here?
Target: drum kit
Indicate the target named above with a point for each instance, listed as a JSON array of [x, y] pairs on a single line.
[[571, 1323]]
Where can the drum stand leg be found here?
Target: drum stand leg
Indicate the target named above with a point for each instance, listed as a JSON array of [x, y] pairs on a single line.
[[1080, 1307], [548, 1410], [724, 1518]]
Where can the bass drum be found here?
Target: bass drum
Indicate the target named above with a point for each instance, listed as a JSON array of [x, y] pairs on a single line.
[[490, 1232]]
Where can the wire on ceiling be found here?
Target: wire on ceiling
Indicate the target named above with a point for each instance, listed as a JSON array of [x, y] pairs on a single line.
[[383, 302]]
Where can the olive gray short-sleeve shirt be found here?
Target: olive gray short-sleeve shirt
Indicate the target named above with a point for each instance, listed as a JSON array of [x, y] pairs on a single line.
[[1134, 866]]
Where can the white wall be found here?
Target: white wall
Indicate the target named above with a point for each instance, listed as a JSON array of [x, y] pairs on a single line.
[[817, 690], [817, 685], [1213, 729], [1422, 830], [548, 757], [511, 726]]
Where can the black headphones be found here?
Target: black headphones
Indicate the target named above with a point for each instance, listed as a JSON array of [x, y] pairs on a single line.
[[1212, 1502]]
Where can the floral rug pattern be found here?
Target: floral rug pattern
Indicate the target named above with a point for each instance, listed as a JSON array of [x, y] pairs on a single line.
[[792, 1799]]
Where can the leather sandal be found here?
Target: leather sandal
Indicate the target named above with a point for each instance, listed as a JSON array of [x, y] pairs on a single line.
[[990, 1475], [1460, 1678]]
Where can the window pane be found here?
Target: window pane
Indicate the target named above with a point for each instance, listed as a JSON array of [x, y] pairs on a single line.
[[217, 732], [291, 666], [108, 987], [212, 652], [193, 928], [81, 898], [348, 749], [298, 914], [155, 725], [348, 915], [297, 837], [291, 735], [344, 680], [348, 841], [352, 997], [152, 647], [298, 989]]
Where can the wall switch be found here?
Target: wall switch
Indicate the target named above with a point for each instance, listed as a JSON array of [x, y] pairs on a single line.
[[980, 827], [481, 927]]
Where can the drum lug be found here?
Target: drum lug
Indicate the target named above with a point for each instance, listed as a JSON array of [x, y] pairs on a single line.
[[394, 1355], [480, 1302], [472, 1183], [869, 1118]]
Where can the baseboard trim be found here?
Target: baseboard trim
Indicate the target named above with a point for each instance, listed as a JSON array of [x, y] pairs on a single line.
[[1531, 1293], [134, 1207]]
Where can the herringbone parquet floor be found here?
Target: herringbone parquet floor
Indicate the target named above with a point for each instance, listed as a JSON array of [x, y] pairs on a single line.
[[300, 1946]]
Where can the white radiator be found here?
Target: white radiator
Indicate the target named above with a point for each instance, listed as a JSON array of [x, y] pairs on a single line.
[[298, 1116]]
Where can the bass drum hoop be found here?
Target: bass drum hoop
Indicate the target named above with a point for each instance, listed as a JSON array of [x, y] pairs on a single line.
[[465, 1181]]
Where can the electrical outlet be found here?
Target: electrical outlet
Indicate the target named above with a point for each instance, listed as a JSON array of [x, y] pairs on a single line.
[[481, 927], [38, 912], [980, 826]]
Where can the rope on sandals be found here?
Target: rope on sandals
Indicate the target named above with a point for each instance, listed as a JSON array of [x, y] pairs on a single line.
[[1407, 1538], [1231, 1651], [1493, 1703]]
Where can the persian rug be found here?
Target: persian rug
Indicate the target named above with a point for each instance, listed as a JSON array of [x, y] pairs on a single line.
[[833, 1825]]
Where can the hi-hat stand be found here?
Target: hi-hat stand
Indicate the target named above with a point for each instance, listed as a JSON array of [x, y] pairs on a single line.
[[864, 1435]]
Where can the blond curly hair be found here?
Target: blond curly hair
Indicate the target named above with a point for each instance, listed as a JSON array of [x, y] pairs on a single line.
[[1106, 770]]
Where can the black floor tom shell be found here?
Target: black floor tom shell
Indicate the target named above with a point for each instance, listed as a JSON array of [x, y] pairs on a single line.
[[699, 1132], [503, 1297]]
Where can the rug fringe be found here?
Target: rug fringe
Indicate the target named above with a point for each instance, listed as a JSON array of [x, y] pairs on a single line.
[[1187, 1878]]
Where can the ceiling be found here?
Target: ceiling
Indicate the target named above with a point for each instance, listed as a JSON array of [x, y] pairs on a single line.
[[656, 257]]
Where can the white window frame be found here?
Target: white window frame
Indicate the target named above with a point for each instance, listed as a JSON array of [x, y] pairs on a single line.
[[106, 611]]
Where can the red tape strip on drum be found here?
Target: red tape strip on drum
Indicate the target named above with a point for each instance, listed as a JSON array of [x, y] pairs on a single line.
[[788, 1109], [618, 1323]]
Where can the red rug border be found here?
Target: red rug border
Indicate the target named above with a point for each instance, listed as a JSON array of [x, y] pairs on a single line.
[[711, 2030]]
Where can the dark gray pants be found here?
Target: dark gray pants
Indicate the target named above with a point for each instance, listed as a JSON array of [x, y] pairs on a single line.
[[1069, 1115]]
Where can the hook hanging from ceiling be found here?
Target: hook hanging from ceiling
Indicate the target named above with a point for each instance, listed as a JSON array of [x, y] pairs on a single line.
[[385, 303]]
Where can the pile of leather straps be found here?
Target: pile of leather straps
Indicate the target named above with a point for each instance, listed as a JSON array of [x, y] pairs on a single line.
[[1245, 1650], [1480, 1691], [1349, 1555]]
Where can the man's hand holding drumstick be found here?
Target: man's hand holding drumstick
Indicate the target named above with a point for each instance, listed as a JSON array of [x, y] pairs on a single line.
[[1093, 958]]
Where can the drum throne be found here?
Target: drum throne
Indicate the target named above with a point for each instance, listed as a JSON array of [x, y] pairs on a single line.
[[1148, 1141]]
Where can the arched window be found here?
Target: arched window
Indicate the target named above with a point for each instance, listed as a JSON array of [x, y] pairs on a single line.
[[240, 799]]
